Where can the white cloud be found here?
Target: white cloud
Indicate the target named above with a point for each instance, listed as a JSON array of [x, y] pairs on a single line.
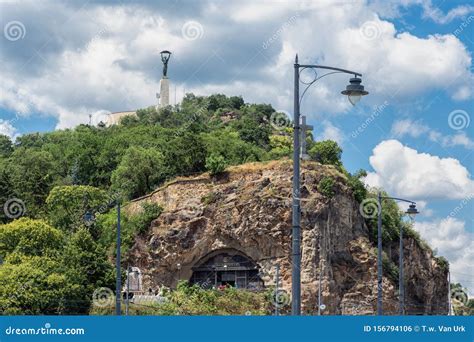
[[331, 132], [452, 240], [416, 129], [6, 128], [391, 9], [439, 17], [106, 58], [403, 171], [408, 127]]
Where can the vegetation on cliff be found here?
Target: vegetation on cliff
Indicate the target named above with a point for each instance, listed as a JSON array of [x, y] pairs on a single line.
[[65, 184]]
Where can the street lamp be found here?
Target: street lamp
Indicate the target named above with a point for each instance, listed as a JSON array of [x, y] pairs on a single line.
[[354, 91], [411, 212]]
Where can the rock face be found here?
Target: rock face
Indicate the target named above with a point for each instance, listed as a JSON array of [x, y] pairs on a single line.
[[248, 209]]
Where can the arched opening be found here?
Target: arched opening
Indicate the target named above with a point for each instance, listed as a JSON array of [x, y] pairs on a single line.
[[227, 267]]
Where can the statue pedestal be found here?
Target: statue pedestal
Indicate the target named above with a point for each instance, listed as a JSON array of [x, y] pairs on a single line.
[[164, 92]]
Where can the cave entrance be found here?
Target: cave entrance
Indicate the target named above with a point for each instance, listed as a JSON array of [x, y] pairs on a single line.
[[227, 268]]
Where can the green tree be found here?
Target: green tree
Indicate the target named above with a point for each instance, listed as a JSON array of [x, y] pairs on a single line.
[[86, 264], [29, 237], [37, 285], [139, 172], [358, 187], [32, 174], [67, 205], [6, 147], [326, 152]]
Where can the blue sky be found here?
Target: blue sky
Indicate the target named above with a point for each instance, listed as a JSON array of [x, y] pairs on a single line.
[[62, 61]]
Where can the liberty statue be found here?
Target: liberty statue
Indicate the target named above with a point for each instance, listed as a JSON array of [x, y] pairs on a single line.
[[165, 57]]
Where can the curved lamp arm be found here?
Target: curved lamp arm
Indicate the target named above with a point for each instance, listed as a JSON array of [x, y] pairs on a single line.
[[301, 67], [399, 199], [315, 66]]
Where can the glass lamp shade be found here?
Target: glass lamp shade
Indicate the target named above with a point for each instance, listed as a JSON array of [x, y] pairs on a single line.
[[354, 99], [412, 211], [355, 90]]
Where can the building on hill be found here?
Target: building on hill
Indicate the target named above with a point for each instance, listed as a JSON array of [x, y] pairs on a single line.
[[114, 118]]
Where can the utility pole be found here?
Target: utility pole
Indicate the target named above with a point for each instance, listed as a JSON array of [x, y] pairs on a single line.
[[277, 280], [128, 290], [401, 288], [379, 255], [296, 215], [449, 294], [319, 289], [118, 284]]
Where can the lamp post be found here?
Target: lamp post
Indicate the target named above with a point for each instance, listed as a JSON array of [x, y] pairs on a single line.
[[411, 212], [354, 91], [118, 285]]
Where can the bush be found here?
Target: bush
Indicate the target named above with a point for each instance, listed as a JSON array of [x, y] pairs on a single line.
[[193, 300], [215, 164], [326, 187], [326, 152]]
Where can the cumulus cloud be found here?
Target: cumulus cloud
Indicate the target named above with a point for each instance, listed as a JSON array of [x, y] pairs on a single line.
[[6, 128], [450, 238], [331, 132], [104, 55], [416, 129], [404, 171]]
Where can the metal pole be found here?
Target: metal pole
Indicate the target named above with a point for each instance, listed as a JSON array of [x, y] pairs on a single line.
[[379, 255], [296, 252], [277, 280], [118, 285], [449, 293], [401, 288], [128, 290], [319, 288]]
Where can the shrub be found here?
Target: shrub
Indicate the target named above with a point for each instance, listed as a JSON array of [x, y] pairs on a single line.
[[215, 164], [326, 187]]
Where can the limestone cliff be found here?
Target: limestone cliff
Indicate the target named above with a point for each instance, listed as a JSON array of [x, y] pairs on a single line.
[[249, 209]]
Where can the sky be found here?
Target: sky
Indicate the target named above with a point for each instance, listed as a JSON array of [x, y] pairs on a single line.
[[64, 60]]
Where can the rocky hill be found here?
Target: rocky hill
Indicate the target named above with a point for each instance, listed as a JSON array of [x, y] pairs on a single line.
[[248, 209]]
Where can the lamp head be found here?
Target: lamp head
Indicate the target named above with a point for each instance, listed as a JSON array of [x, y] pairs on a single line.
[[412, 211], [355, 90]]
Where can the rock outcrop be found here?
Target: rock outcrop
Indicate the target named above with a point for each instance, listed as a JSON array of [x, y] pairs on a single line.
[[249, 209]]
